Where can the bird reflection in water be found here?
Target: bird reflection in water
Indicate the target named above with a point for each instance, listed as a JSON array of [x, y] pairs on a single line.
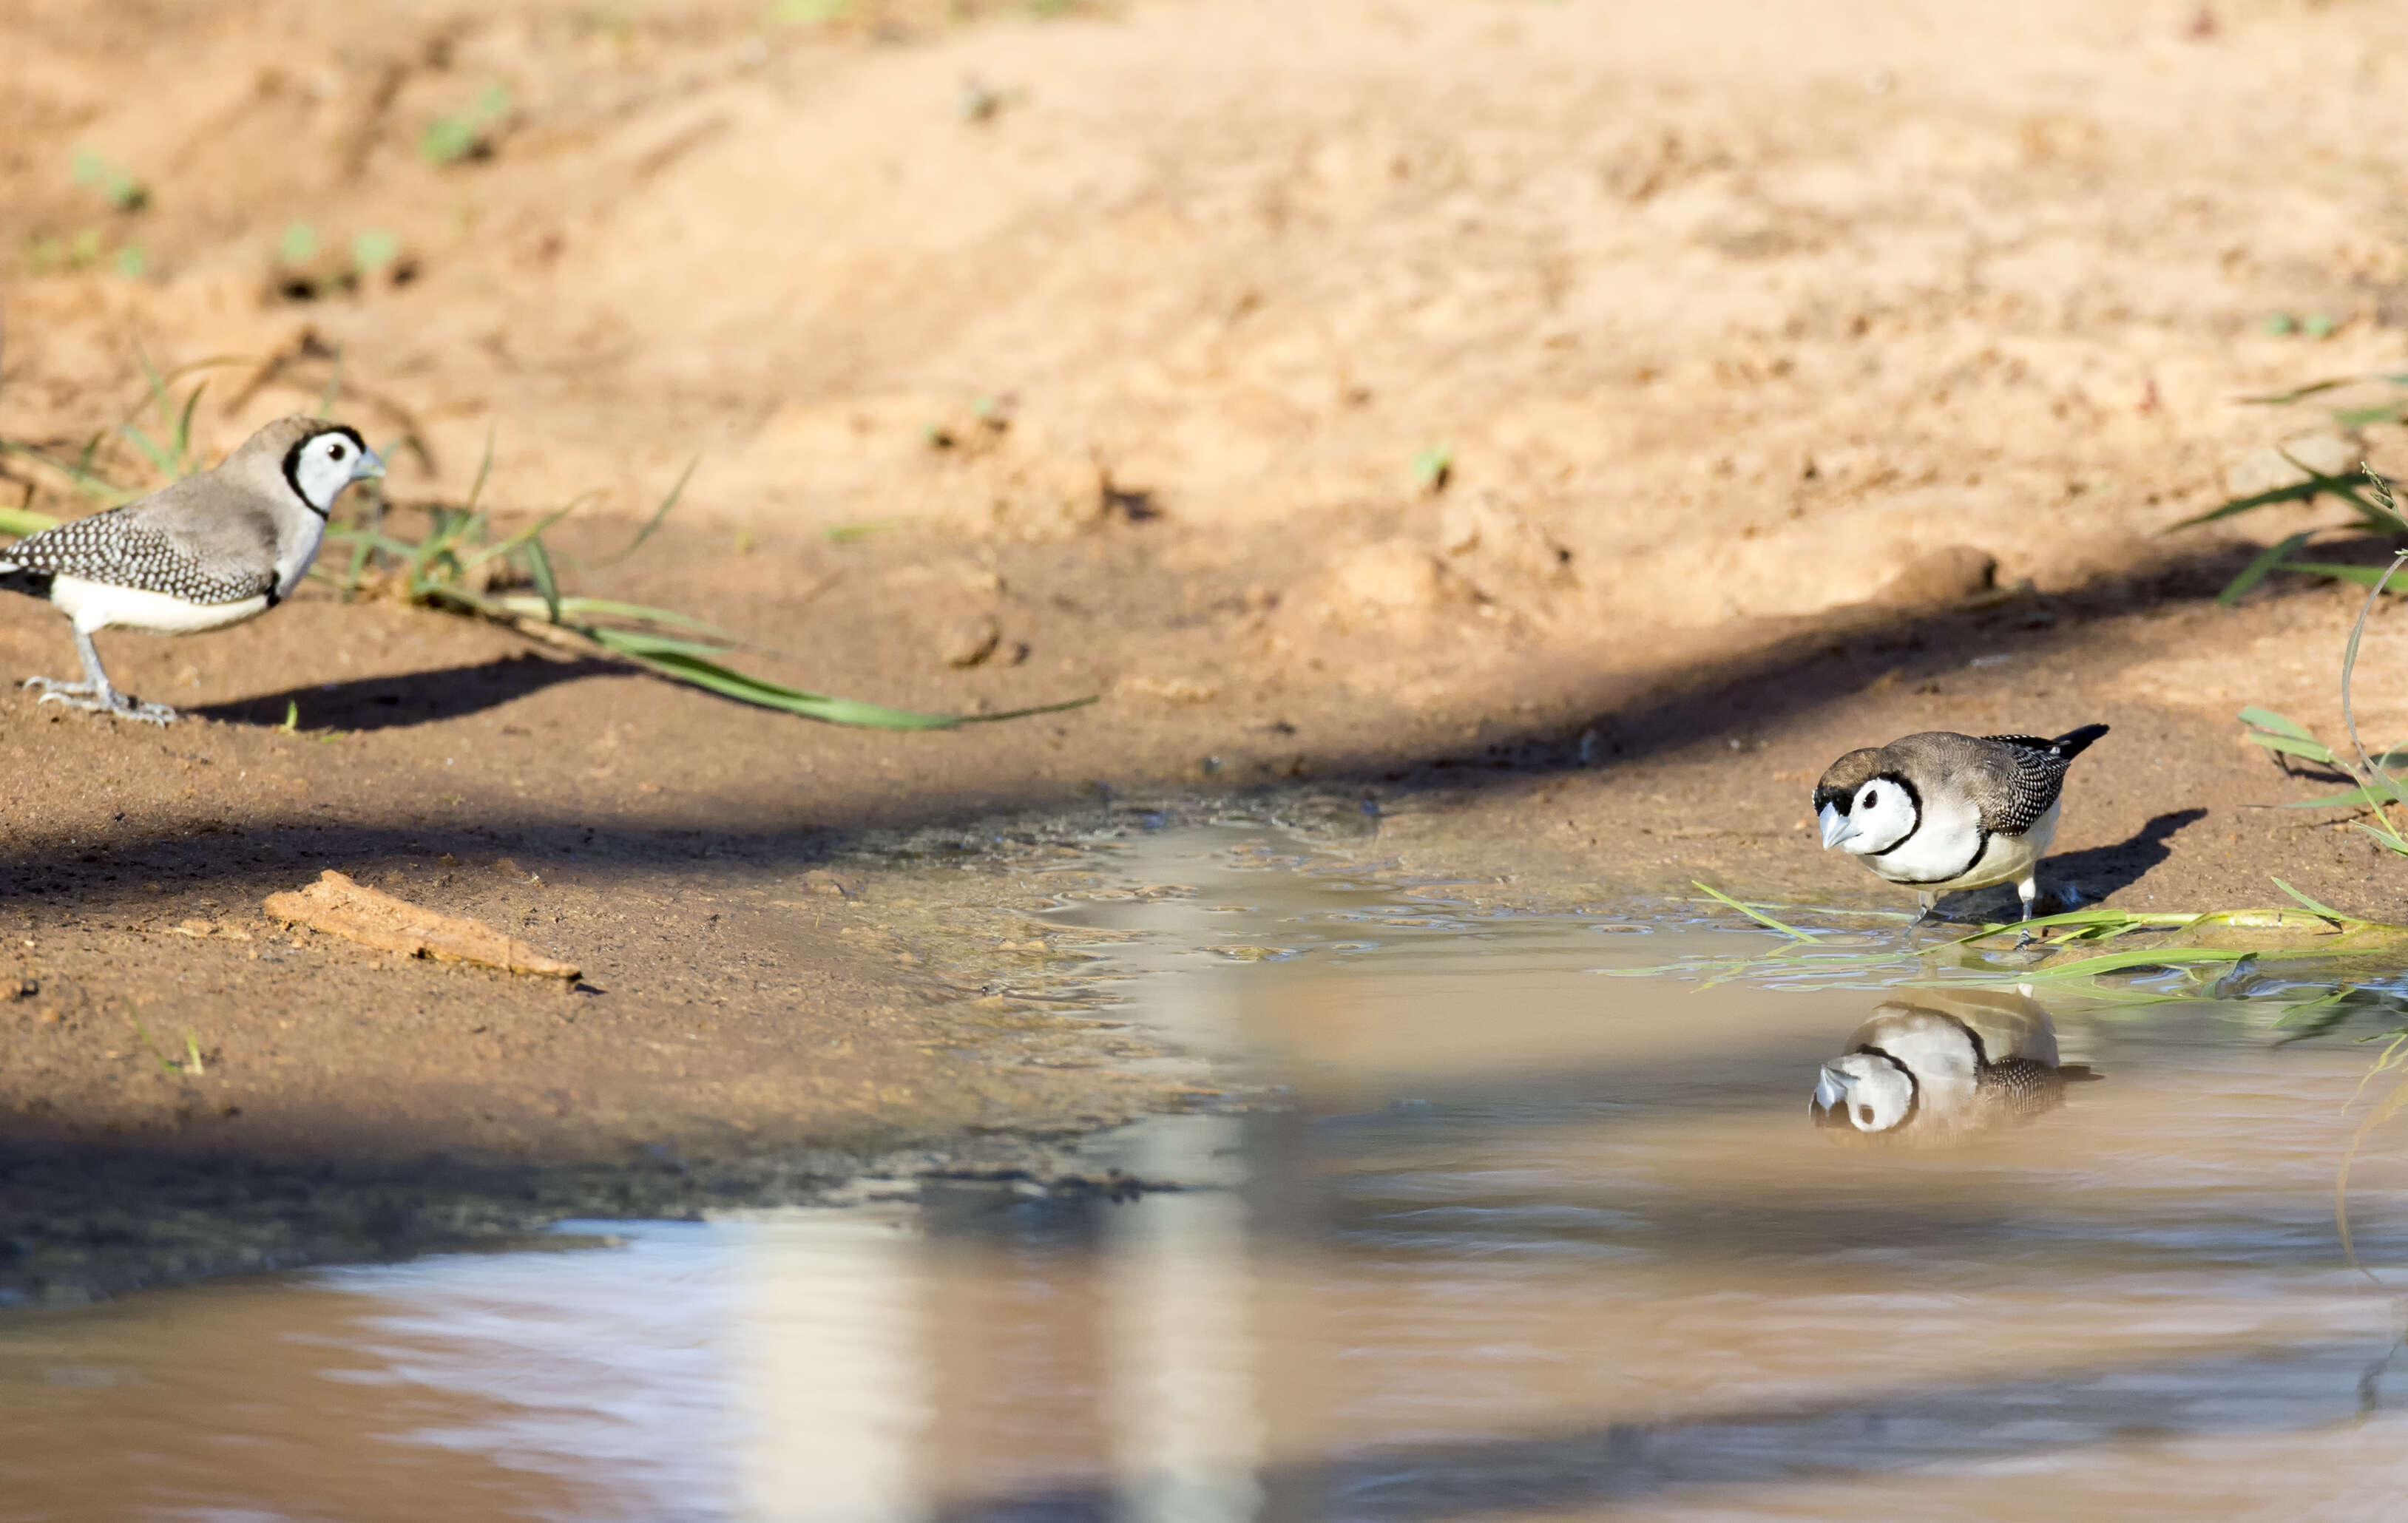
[[1937, 1067]]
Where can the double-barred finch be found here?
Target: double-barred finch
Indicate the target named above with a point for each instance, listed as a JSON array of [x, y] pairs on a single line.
[[1936, 1067], [210, 551], [1938, 811]]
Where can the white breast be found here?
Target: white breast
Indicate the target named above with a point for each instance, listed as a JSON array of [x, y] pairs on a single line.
[[293, 563], [1940, 856], [1941, 847], [97, 605]]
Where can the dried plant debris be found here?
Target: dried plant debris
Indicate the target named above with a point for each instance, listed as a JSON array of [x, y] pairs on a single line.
[[340, 907]]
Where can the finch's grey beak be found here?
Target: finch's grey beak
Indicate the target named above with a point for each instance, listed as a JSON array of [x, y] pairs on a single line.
[[1832, 1089], [368, 466], [1837, 827]]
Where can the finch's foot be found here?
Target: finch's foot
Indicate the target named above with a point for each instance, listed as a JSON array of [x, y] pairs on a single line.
[[117, 705]]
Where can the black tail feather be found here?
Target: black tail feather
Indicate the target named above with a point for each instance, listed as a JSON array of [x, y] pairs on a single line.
[[2075, 742]]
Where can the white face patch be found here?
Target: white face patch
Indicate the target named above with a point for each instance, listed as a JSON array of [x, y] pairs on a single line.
[[1880, 1096], [1884, 814], [328, 462]]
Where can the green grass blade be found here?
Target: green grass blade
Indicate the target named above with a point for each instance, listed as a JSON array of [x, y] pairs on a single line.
[[530, 533], [2321, 1009], [606, 608], [2392, 840], [581, 607], [2316, 485], [2349, 672], [2266, 718], [2165, 957], [2356, 798], [845, 534], [2358, 418], [157, 394], [372, 538], [150, 451], [546, 585], [79, 471], [2254, 572], [1065, 707], [1758, 917], [184, 436], [2288, 737], [451, 527], [658, 515], [2363, 576], [2327, 911], [2298, 491], [2383, 518], [451, 597], [143, 1033], [484, 469], [334, 386], [732, 684], [640, 642], [660, 655], [19, 522], [2283, 399], [2313, 750], [2097, 917]]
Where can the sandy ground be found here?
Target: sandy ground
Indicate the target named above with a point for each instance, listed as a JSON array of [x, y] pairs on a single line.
[[1805, 375]]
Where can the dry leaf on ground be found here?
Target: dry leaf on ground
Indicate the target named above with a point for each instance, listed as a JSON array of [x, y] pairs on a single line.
[[342, 907]]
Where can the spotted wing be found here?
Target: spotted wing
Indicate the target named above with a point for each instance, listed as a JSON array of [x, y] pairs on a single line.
[[2022, 1086], [2021, 776], [120, 549]]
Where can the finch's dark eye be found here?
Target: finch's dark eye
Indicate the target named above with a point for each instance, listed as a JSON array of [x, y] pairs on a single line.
[[1872, 799], [336, 451]]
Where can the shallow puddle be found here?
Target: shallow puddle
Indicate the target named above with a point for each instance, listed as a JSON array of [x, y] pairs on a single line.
[[1514, 1238]]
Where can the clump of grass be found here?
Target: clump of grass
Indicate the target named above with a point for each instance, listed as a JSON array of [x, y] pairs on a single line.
[[116, 184], [847, 534], [2377, 790], [48, 253], [2216, 950], [298, 243], [307, 267], [374, 252], [2317, 325], [1433, 468], [463, 565], [465, 133], [171, 451], [292, 725], [2367, 496], [165, 443], [191, 1065]]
